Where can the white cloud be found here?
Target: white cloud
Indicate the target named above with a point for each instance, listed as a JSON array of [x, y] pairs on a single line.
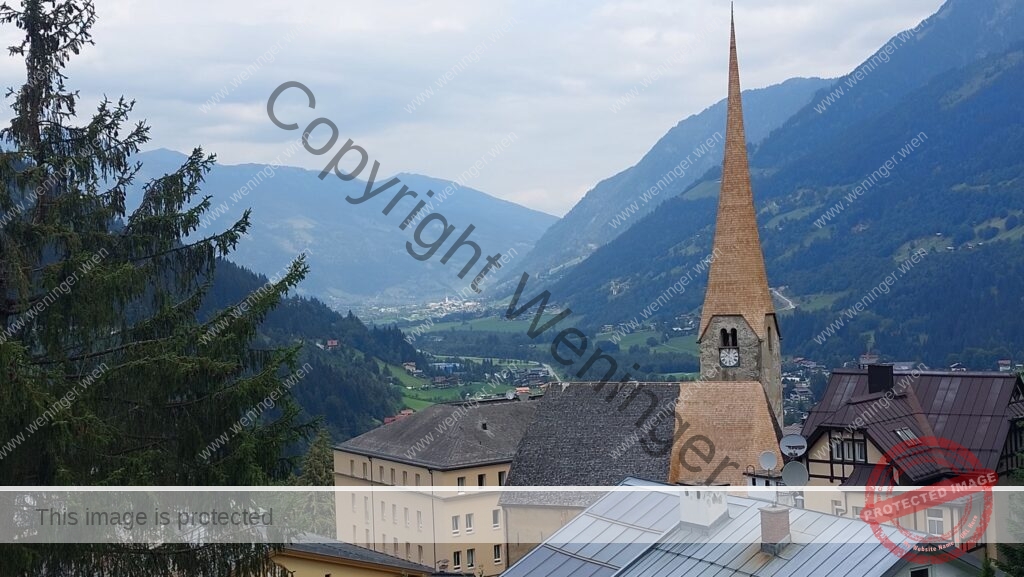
[[550, 78]]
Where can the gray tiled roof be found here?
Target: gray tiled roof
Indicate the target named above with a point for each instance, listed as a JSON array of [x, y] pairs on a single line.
[[577, 430], [450, 436]]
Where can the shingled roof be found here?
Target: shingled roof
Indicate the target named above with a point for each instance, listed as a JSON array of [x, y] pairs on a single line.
[[736, 416], [737, 281], [973, 409], [589, 434], [450, 436]]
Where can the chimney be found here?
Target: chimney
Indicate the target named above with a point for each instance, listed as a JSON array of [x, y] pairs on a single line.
[[702, 508], [774, 529], [879, 378]]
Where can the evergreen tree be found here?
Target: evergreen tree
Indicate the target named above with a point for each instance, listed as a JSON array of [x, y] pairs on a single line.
[[318, 507], [108, 377]]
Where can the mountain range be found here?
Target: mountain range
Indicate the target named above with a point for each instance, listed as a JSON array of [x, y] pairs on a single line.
[[356, 254], [952, 85], [676, 161]]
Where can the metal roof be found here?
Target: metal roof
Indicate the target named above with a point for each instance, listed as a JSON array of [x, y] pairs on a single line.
[[972, 409], [641, 534], [602, 539]]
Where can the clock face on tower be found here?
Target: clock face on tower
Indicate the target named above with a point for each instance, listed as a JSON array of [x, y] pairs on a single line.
[[729, 357]]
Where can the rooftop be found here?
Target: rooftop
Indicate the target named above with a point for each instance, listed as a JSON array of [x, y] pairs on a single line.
[[972, 409], [589, 434], [643, 534], [450, 436]]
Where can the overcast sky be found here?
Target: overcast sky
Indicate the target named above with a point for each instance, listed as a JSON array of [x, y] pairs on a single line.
[[550, 72]]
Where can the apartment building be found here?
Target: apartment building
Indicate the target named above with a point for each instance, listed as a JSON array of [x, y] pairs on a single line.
[[461, 447]]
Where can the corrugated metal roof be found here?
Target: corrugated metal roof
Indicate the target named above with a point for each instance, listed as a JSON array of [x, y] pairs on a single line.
[[641, 534], [605, 537]]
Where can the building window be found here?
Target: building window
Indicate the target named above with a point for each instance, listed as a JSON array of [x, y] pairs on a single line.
[[353, 502], [408, 551], [419, 520], [366, 508], [469, 522], [907, 435], [353, 533], [382, 473], [417, 479], [365, 472], [382, 516], [481, 480], [770, 339], [366, 533], [383, 542], [392, 475], [395, 541], [394, 514], [470, 558], [501, 478], [457, 560], [455, 524], [837, 508], [405, 478], [920, 572], [936, 526], [419, 554], [850, 450], [496, 518], [406, 516], [857, 510], [461, 482], [351, 467], [732, 338], [497, 554]]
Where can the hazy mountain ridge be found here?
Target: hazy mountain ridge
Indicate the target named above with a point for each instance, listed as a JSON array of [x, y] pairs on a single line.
[[587, 227], [355, 252]]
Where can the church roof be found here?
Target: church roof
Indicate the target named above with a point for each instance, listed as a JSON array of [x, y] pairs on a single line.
[[736, 417], [737, 282], [581, 436], [450, 435]]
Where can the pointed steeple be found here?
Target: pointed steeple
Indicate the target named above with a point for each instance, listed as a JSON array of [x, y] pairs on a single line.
[[737, 282]]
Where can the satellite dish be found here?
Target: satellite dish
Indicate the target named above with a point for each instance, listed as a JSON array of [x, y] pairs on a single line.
[[794, 474], [793, 445], [767, 460]]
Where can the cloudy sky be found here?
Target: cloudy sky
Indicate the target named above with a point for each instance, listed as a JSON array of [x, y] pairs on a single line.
[[549, 72]]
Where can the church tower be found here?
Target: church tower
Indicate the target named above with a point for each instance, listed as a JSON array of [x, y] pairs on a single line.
[[739, 334]]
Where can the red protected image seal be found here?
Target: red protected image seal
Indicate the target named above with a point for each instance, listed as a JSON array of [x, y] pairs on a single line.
[[966, 489]]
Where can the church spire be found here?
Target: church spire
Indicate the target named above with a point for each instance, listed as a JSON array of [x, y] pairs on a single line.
[[737, 282]]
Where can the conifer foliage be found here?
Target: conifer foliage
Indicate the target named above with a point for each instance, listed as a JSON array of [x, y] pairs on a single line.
[[104, 376]]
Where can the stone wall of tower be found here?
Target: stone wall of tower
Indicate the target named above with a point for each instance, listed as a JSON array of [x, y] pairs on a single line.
[[747, 341], [771, 367], [760, 360]]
